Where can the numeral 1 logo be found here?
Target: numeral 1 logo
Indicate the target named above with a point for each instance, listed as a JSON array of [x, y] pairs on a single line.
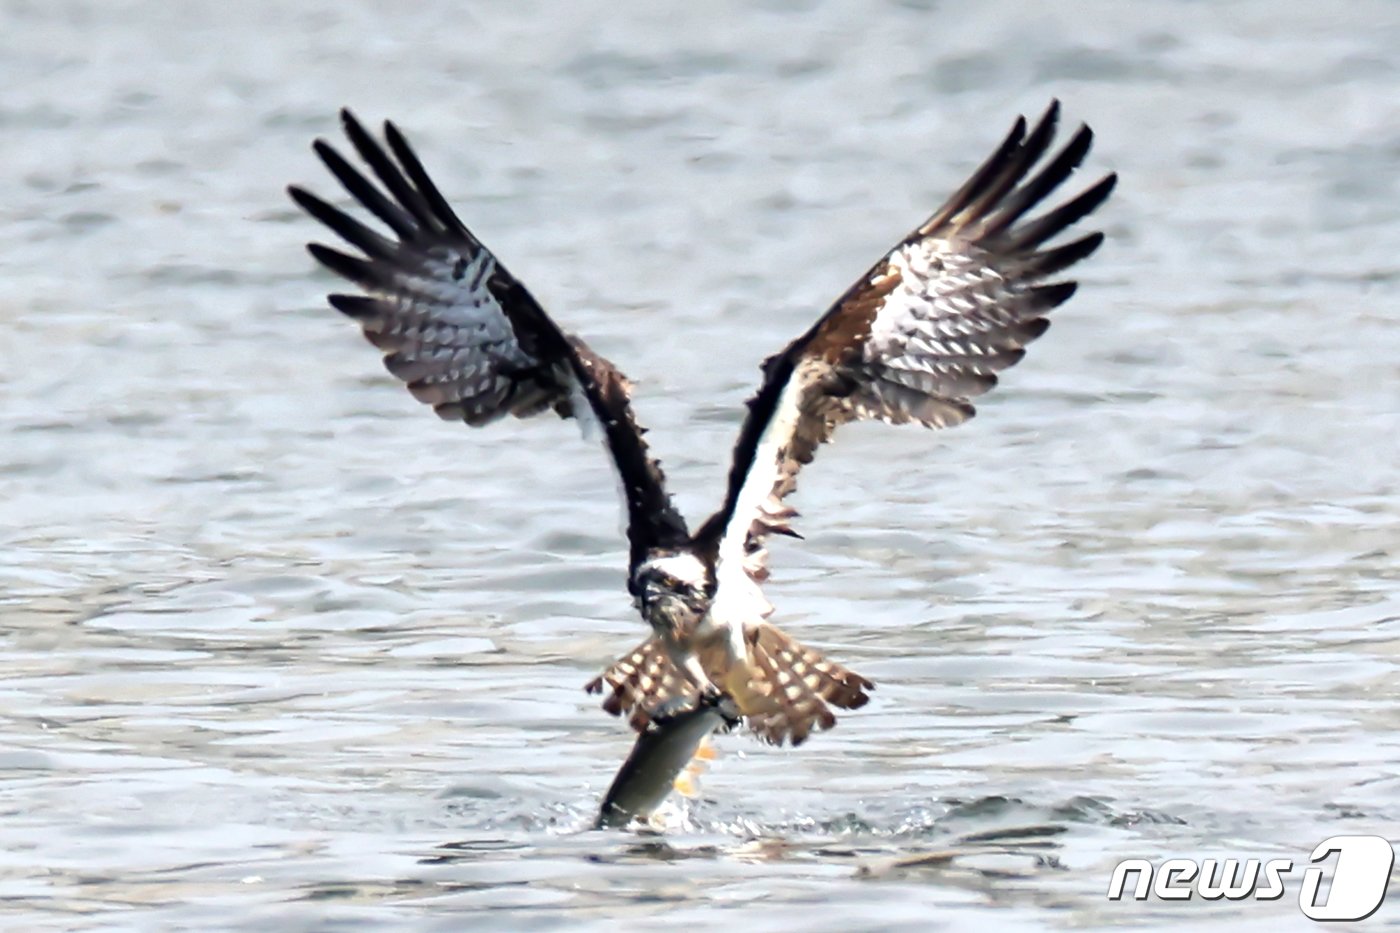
[[1359, 879]]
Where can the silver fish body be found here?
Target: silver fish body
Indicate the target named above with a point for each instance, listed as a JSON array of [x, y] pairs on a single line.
[[661, 752]]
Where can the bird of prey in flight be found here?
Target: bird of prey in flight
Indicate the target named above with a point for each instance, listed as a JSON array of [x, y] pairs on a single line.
[[914, 340]]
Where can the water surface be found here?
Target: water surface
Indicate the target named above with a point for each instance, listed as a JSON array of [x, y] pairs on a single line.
[[281, 650]]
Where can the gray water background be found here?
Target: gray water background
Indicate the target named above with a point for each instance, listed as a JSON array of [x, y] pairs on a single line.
[[279, 650]]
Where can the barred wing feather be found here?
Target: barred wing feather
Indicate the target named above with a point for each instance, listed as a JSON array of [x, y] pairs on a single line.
[[922, 333], [464, 334]]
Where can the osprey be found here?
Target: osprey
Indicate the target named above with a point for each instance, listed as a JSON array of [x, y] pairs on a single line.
[[915, 339]]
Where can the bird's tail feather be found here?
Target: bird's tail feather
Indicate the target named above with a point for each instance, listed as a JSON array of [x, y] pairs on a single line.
[[782, 687]]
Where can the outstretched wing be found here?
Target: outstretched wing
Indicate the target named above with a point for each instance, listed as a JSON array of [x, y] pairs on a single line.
[[465, 334], [915, 339]]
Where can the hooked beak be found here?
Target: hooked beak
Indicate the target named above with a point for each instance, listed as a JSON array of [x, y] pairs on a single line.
[[658, 599], [665, 610]]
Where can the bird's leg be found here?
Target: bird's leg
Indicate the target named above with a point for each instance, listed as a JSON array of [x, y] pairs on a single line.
[[709, 693], [687, 661]]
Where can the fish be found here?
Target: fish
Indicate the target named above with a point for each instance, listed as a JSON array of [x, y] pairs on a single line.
[[662, 751]]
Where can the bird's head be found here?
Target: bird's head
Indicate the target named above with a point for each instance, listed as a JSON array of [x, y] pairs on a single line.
[[672, 592]]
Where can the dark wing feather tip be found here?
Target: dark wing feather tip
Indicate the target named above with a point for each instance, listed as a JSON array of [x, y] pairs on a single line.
[[346, 227], [1032, 329], [363, 190], [357, 270], [1048, 225], [1047, 297], [441, 210], [1050, 261]]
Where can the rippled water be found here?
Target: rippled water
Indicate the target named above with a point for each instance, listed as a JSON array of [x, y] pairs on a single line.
[[280, 650]]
